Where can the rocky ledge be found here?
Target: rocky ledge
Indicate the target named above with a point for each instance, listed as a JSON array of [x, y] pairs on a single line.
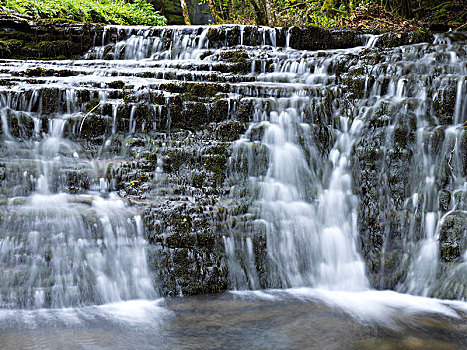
[[45, 39], [164, 134], [22, 38]]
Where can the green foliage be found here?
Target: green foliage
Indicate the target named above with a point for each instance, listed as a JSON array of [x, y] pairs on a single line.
[[340, 13], [324, 13], [138, 12]]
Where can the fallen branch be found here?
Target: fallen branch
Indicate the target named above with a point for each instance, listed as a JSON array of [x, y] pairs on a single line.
[[450, 156], [454, 148], [92, 110]]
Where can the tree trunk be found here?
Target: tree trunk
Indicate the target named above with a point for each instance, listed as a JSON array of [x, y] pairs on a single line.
[[213, 9], [270, 13], [406, 9], [186, 16], [229, 9], [261, 18], [222, 10]]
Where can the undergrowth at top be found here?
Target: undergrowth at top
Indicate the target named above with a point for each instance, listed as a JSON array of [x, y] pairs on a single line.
[[138, 12]]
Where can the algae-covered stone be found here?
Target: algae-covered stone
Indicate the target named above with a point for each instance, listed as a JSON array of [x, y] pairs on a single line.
[[460, 200], [8, 47], [444, 200], [92, 105], [355, 87], [216, 163], [194, 116], [393, 39], [22, 126], [445, 103], [317, 38], [46, 39], [185, 253], [50, 100], [452, 235], [95, 127], [230, 130]]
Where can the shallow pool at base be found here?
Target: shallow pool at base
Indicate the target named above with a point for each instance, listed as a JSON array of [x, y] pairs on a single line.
[[273, 319]]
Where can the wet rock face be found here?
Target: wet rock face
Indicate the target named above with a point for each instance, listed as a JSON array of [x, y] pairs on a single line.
[[180, 135], [315, 38], [177, 180], [188, 255], [47, 39], [404, 38], [383, 162], [453, 235]]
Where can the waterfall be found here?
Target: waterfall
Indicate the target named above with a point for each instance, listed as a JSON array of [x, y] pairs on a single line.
[[60, 250], [311, 238], [327, 216], [183, 155]]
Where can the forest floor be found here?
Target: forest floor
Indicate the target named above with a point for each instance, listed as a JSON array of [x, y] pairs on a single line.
[[452, 16], [435, 16]]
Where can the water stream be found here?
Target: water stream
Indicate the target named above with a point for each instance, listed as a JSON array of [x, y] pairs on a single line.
[[353, 165]]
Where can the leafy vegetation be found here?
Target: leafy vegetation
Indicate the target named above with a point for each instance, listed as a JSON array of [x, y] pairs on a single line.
[[138, 12], [381, 14]]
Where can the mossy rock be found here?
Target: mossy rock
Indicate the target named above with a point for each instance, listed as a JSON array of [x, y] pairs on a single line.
[[401, 135], [317, 38], [198, 180], [193, 271], [46, 39], [50, 100], [91, 105], [49, 49], [56, 21], [393, 39], [462, 153], [257, 131], [245, 110], [453, 235], [117, 84], [95, 127], [381, 117], [234, 56], [77, 181], [216, 36], [217, 164], [445, 104], [22, 126], [174, 159], [355, 87], [219, 111], [193, 117], [230, 130], [9, 47], [444, 200], [460, 200], [182, 225], [205, 89]]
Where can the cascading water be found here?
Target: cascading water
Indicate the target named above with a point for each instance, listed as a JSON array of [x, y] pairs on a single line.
[[310, 223], [61, 254], [314, 216], [351, 174], [57, 249]]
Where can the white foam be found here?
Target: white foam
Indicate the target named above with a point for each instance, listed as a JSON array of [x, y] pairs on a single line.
[[149, 313], [370, 306]]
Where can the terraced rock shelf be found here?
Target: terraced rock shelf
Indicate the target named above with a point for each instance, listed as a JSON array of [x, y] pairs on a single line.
[[233, 157]]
